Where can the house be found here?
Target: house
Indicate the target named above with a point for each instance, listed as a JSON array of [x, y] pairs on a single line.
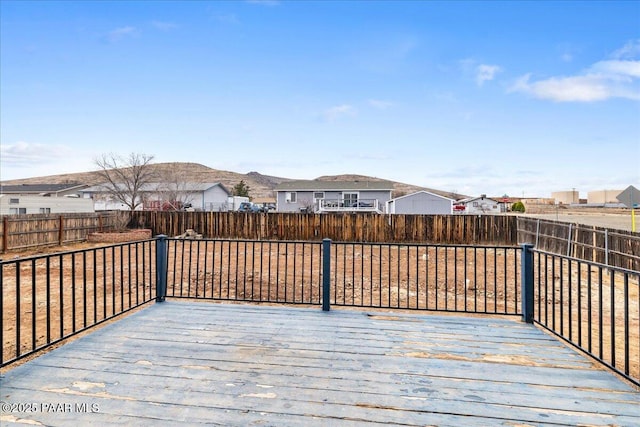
[[46, 190], [478, 205], [420, 203], [333, 196], [166, 196], [14, 204]]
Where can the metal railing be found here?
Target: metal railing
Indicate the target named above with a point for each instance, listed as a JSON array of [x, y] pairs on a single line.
[[422, 277], [48, 298], [594, 307], [244, 270], [469, 279], [340, 205]]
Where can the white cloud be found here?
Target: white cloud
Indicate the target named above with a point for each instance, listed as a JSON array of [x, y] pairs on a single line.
[[164, 26], [485, 72], [120, 33], [567, 51], [564, 89], [630, 50], [566, 57], [339, 111], [480, 72], [27, 153], [380, 104], [26, 159], [617, 69], [612, 78], [227, 19]]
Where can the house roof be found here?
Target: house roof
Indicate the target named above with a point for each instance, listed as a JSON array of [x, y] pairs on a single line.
[[315, 185], [39, 188], [419, 192], [161, 186], [471, 199]]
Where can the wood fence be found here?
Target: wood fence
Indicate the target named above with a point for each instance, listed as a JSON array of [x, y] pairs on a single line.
[[617, 248], [360, 227], [606, 246], [31, 231]]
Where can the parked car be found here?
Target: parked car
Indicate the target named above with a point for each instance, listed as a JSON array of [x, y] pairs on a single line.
[[249, 207]]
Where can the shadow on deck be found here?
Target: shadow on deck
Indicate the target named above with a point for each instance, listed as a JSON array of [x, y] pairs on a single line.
[[188, 363]]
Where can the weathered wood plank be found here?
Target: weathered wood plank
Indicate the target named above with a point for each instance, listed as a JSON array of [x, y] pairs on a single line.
[[189, 363]]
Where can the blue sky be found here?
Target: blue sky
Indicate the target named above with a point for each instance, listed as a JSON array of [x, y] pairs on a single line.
[[518, 98]]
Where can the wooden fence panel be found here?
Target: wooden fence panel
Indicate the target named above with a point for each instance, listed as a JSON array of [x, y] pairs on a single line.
[[461, 229], [35, 230], [617, 248], [614, 247]]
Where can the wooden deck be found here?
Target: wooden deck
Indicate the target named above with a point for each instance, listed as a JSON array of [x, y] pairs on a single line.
[[190, 363]]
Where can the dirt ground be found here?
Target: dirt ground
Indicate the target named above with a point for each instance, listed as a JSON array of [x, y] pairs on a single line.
[[87, 288], [619, 219]]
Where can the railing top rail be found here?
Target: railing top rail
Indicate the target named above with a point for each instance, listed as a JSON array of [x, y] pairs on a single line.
[[226, 239], [435, 245], [74, 251], [343, 242], [582, 261]]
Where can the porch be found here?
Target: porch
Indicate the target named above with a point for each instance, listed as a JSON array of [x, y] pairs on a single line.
[[341, 205], [188, 362]]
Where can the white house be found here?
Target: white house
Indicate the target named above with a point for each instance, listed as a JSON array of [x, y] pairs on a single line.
[[12, 204], [167, 196], [478, 205], [420, 203]]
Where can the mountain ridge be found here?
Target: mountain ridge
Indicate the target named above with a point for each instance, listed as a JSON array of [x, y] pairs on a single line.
[[260, 185]]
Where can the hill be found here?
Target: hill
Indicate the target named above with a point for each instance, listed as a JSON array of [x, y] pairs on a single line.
[[260, 185]]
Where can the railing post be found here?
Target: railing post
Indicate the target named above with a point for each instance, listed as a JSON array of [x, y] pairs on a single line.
[[527, 283], [161, 267], [326, 274]]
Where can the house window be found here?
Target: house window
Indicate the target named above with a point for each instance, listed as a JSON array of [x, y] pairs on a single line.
[[475, 204], [350, 199], [16, 211], [14, 201], [291, 197], [45, 210], [318, 195]]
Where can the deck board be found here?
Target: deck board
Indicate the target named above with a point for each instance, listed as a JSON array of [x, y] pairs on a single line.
[[189, 363]]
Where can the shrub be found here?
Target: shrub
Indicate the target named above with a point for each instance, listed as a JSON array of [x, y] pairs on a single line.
[[517, 207]]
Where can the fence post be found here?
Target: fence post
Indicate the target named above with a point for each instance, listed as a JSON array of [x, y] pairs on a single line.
[[161, 267], [527, 282], [5, 234], [60, 230], [326, 274]]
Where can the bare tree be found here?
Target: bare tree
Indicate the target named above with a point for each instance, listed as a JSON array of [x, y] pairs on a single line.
[[124, 179], [307, 205], [175, 192]]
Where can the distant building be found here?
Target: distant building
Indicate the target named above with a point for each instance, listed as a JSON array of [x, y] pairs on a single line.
[[479, 205], [603, 197], [48, 190], [420, 203], [16, 204], [333, 196], [566, 197], [166, 196]]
